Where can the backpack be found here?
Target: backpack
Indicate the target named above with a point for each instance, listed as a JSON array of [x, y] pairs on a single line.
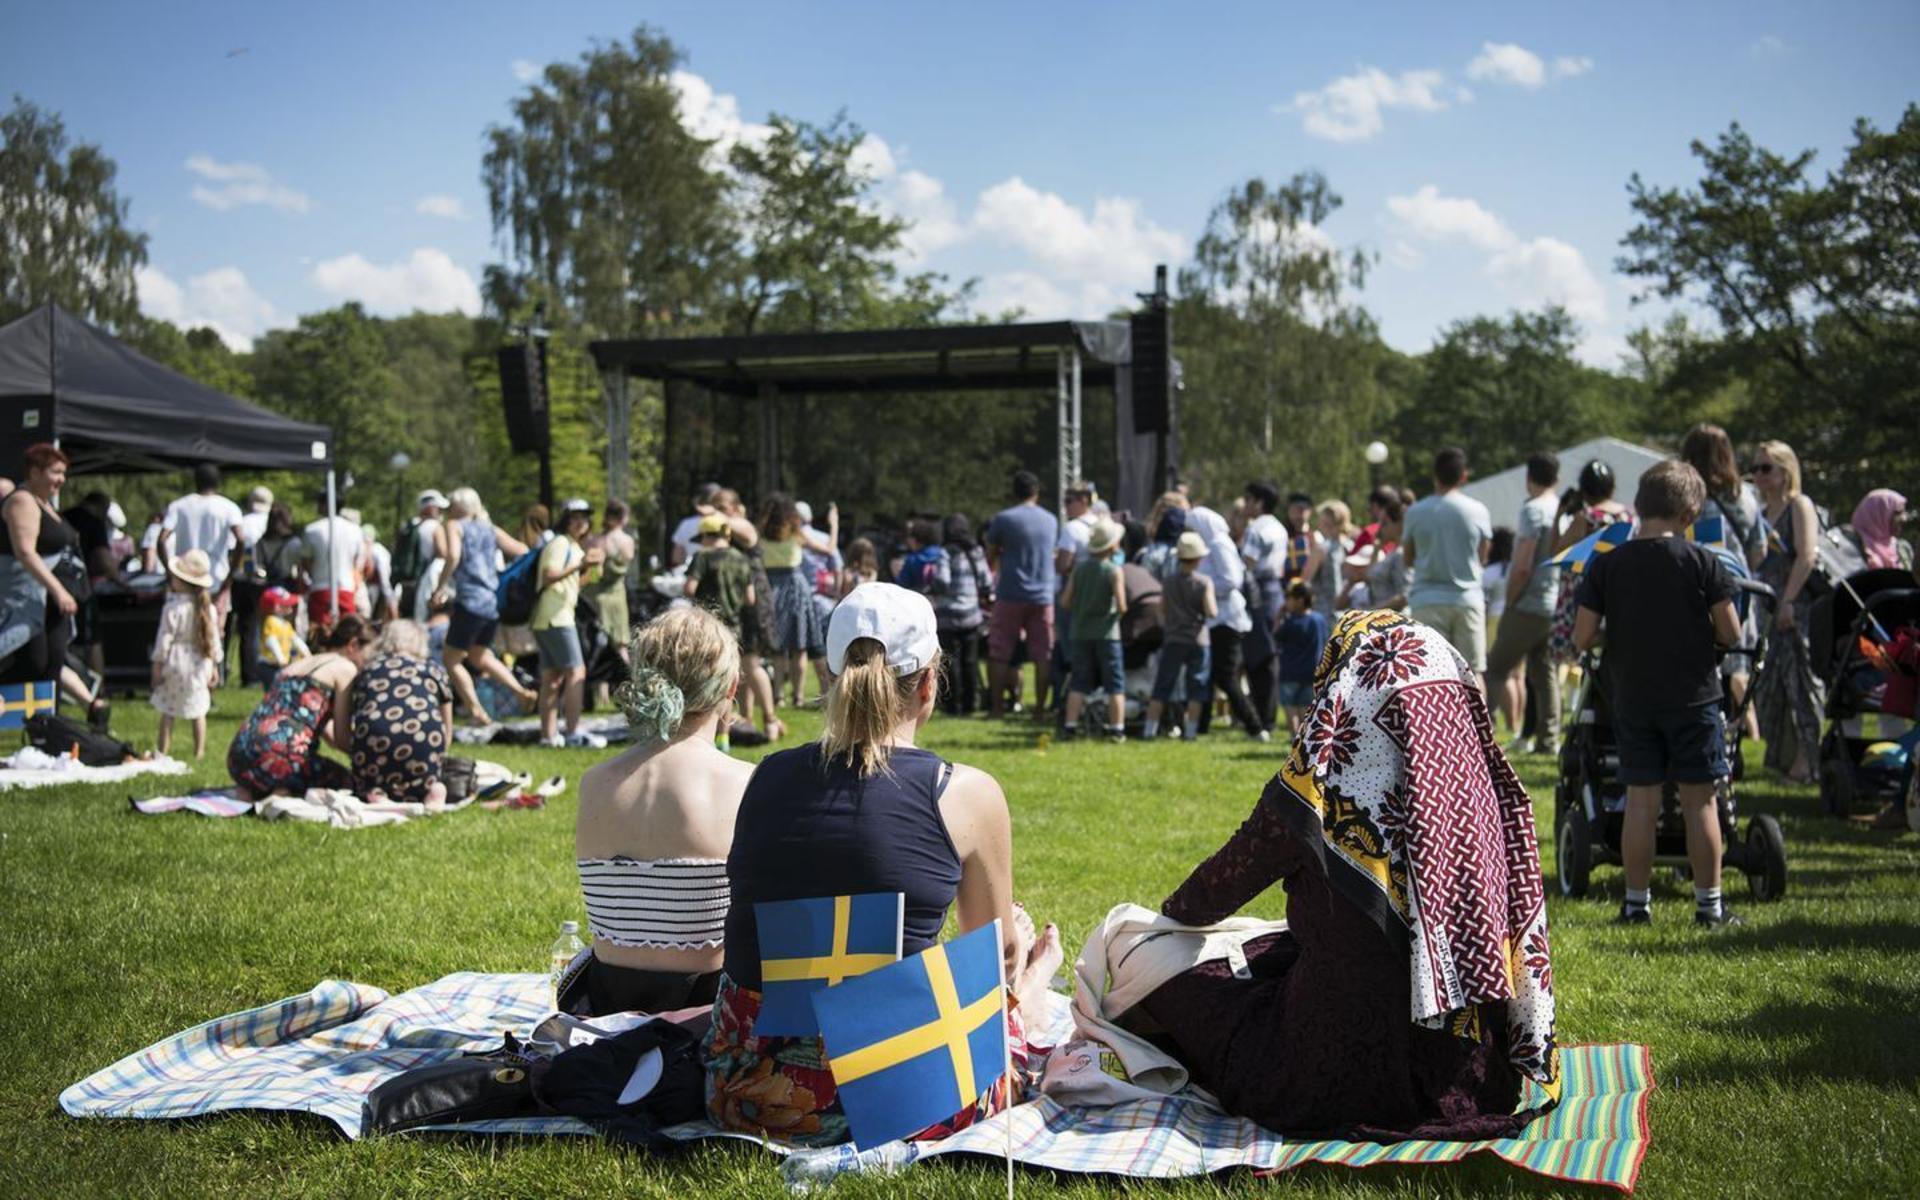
[[519, 586], [54, 734], [409, 563]]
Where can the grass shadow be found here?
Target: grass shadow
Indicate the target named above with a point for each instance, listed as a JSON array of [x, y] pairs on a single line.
[[1851, 1030]]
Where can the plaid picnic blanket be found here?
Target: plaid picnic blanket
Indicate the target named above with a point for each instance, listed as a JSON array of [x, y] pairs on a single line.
[[323, 1051]]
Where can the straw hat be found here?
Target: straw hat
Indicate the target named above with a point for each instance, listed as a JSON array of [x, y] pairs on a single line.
[[1106, 535], [192, 567]]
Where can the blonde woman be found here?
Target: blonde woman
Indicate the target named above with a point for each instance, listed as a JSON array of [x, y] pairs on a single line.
[[862, 810], [1788, 697], [470, 582], [655, 824], [1333, 520]]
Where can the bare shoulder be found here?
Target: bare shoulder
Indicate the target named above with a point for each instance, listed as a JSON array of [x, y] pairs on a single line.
[[973, 793]]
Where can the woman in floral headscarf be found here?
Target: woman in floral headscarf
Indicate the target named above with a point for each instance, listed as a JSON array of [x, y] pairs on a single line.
[[1413, 994], [1876, 526]]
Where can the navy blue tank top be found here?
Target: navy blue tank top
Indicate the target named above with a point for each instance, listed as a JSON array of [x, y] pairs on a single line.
[[811, 827]]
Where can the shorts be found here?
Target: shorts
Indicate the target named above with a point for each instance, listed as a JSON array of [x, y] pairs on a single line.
[[1011, 619], [1097, 663], [467, 629], [1686, 745], [1464, 626], [1184, 668], [324, 604], [559, 648], [1295, 693]]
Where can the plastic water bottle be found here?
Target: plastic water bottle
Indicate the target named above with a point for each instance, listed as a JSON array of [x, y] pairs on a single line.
[[564, 948]]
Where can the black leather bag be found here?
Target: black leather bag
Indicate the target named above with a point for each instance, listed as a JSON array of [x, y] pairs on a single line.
[[467, 1089], [58, 735], [459, 776]]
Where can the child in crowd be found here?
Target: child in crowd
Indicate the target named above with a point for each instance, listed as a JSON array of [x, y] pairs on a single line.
[[862, 565], [186, 650], [926, 569], [720, 579], [1301, 634], [1187, 603], [1096, 598], [280, 643], [1668, 606]]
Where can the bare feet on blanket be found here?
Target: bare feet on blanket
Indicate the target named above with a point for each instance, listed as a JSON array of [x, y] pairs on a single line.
[[436, 796], [1040, 957]]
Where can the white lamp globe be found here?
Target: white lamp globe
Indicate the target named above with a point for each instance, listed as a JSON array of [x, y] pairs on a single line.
[[1376, 452]]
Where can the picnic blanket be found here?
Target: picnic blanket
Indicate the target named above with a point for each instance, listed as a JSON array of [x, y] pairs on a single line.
[[208, 802], [31, 774], [525, 731], [323, 1051]]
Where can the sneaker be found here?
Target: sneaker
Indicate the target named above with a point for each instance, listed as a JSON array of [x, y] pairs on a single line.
[[556, 742], [1263, 737], [1634, 916], [1116, 736], [1520, 745], [580, 739], [1727, 917]]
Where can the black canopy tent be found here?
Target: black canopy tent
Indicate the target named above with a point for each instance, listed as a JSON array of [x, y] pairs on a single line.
[[113, 409], [1061, 357]]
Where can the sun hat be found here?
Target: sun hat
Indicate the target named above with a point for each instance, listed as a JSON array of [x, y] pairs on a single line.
[[1190, 546], [900, 620], [1106, 535], [712, 524], [431, 496], [192, 568], [576, 505], [116, 516]]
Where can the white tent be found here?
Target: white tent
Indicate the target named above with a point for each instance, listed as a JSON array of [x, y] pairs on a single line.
[[1504, 493]]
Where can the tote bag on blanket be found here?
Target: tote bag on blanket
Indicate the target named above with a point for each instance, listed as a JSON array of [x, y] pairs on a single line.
[[1128, 955]]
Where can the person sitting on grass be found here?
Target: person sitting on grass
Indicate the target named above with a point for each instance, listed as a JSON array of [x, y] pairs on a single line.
[[1302, 635], [1096, 599], [655, 825], [277, 750], [864, 810], [1668, 607], [187, 649], [1186, 605]]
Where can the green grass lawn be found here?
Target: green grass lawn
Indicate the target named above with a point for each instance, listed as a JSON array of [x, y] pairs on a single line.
[[1787, 1052]]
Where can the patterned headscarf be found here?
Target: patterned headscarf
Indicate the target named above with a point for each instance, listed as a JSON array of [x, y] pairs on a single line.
[[1426, 828], [1873, 520]]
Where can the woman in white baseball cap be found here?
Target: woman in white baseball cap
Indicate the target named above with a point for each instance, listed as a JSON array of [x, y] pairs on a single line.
[[862, 810]]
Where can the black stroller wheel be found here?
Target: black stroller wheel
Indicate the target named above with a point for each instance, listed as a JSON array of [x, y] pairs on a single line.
[[1573, 851], [1766, 864]]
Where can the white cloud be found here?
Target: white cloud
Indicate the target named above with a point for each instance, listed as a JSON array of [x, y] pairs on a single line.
[[1568, 65], [1116, 242], [230, 185], [1533, 271], [220, 299], [875, 158], [441, 205], [933, 221], [1349, 109], [714, 116], [1429, 215], [426, 280], [525, 70], [1504, 62]]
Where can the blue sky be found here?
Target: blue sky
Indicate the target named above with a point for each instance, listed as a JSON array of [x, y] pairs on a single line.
[[1055, 152]]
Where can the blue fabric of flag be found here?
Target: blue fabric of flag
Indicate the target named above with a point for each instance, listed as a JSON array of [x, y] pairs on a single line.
[[914, 1043], [1576, 557], [18, 701], [810, 945]]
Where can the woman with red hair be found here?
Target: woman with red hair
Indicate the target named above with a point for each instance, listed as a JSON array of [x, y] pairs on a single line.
[[39, 565]]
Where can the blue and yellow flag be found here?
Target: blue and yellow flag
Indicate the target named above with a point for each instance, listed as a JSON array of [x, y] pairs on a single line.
[[1576, 557], [18, 701], [914, 1043], [807, 946]]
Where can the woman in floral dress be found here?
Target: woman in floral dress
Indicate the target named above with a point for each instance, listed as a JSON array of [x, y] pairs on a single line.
[[277, 751]]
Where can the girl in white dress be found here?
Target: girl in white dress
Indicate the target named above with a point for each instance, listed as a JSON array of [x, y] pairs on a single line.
[[186, 650]]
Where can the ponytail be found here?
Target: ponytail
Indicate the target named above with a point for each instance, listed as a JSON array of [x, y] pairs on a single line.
[[865, 704]]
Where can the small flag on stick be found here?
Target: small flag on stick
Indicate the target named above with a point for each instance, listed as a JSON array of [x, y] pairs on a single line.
[[807, 946]]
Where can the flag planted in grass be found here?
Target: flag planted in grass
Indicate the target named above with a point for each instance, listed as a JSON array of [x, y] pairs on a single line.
[[1576, 557], [810, 945], [18, 701], [913, 1043]]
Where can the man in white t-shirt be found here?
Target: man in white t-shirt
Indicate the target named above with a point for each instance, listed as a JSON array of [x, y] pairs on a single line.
[[686, 535], [336, 558], [253, 522], [205, 521]]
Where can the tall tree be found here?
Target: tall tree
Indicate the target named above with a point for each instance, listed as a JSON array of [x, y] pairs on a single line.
[[1822, 277], [63, 227], [603, 199]]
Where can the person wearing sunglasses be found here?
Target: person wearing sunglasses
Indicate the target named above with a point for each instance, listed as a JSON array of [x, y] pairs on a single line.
[[1789, 695]]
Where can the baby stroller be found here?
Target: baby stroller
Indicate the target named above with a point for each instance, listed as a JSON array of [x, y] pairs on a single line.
[[1865, 647], [1589, 803]]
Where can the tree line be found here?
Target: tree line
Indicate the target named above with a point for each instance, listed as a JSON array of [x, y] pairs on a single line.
[[618, 221]]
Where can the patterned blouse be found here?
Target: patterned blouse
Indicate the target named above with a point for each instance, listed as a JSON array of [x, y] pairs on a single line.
[[399, 737]]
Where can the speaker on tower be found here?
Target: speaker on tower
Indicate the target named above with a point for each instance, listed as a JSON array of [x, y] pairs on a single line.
[[523, 394], [1152, 369]]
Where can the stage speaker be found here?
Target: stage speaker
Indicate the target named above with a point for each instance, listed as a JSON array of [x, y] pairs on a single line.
[[523, 394], [1152, 370]]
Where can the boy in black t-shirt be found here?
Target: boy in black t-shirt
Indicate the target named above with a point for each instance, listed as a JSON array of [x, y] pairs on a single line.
[[1668, 604]]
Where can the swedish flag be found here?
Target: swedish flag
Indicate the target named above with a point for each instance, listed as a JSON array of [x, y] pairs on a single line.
[[1709, 531], [18, 701], [1576, 557], [807, 946], [916, 1042]]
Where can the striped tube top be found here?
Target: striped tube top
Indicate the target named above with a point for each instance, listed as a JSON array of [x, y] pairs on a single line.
[[656, 904]]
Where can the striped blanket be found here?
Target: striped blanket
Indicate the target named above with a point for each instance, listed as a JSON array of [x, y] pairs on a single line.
[[323, 1051]]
